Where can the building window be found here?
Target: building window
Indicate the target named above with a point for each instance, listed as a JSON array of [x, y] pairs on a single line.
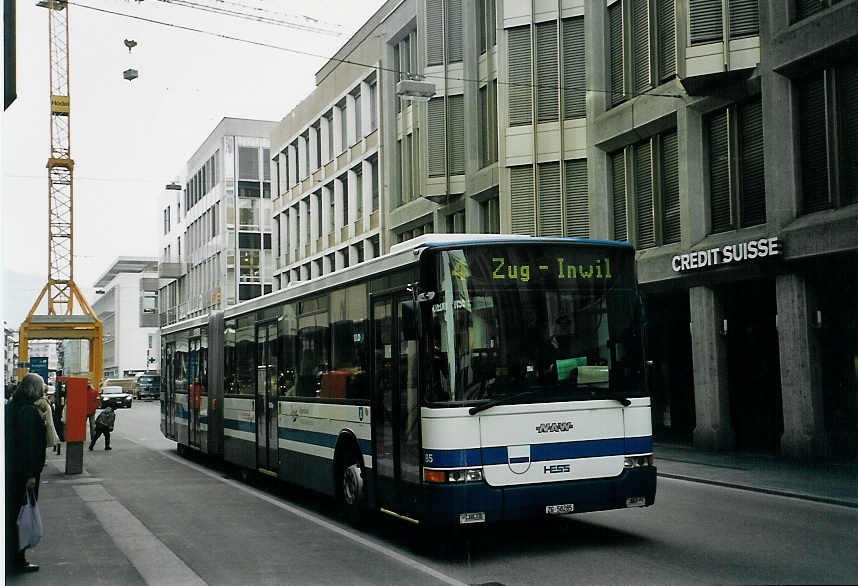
[[248, 214], [486, 23], [574, 73], [358, 126], [358, 171], [434, 32], [454, 31], [248, 265], [248, 163], [805, 8], [456, 223], [736, 174], [456, 125], [345, 184], [344, 128], [317, 133], [373, 163], [520, 76], [706, 20], [490, 216], [645, 192], [437, 138], [547, 96], [828, 137], [329, 147], [373, 105], [637, 31], [248, 189], [405, 194]]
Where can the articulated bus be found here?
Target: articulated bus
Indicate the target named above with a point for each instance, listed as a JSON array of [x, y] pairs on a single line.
[[459, 379]]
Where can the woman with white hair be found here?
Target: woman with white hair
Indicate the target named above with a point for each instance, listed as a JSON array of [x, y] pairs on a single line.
[[26, 442]]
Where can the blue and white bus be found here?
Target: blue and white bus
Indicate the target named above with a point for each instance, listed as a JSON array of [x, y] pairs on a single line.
[[458, 379]]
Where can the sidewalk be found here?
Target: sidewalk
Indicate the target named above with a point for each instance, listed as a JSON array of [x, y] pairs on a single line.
[[827, 482]]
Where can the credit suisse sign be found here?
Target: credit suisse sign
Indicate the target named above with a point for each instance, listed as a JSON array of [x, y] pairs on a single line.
[[746, 251]]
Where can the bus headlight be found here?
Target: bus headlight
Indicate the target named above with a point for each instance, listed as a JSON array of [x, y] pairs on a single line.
[[452, 476]]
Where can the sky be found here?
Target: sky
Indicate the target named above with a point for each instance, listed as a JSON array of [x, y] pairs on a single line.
[[129, 139]]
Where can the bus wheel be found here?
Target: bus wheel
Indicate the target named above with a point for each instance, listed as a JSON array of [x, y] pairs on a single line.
[[352, 489]]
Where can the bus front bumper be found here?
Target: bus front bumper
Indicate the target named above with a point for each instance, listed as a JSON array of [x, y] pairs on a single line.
[[455, 504]]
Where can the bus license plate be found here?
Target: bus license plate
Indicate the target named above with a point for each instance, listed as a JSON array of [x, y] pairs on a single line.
[[636, 501], [559, 509]]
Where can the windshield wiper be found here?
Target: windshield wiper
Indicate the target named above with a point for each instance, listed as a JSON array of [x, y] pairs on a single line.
[[502, 401], [598, 393]]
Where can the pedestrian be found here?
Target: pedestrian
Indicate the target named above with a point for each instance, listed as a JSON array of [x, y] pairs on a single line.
[[25, 457], [45, 410], [59, 417], [104, 425]]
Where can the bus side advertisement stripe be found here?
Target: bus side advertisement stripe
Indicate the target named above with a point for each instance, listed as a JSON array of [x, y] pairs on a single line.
[[319, 439], [495, 455]]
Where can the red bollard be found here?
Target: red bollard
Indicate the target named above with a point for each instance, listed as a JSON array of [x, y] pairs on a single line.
[[77, 407]]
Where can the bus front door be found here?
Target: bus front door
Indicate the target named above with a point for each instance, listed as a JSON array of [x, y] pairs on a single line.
[[266, 398], [395, 410]]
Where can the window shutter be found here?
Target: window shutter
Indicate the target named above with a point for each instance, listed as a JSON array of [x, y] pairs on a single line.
[[456, 111], [266, 169], [618, 164], [706, 21], [744, 18], [454, 31], [847, 79], [574, 73], [437, 138], [550, 214], [666, 26], [546, 71], [577, 199], [643, 195], [248, 163], [804, 8], [521, 200], [640, 46], [814, 167], [719, 172], [615, 32], [520, 98], [752, 171], [483, 127], [670, 223]]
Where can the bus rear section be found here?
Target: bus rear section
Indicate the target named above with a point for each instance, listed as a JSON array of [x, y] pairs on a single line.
[[527, 461]]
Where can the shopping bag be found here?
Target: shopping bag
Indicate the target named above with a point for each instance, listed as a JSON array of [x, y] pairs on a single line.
[[29, 522]]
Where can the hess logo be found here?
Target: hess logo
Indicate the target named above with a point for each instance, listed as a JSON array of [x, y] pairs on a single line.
[[557, 469]]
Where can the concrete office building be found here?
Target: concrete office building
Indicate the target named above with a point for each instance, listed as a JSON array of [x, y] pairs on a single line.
[[215, 224], [713, 135], [127, 306]]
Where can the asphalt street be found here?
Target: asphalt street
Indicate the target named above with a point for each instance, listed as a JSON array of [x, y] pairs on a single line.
[[174, 520]]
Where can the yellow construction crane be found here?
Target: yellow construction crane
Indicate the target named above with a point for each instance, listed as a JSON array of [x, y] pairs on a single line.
[[61, 322]]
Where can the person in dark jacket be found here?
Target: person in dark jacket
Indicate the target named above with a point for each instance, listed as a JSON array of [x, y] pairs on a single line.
[[25, 457], [103, 425]]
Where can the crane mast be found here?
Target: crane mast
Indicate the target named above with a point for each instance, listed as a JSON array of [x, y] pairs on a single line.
[[60, 322], [60, 169]]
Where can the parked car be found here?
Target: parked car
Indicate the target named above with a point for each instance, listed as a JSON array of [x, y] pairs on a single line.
[[115, 397]]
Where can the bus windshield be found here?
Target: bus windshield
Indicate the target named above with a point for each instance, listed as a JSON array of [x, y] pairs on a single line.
[[546, 322]]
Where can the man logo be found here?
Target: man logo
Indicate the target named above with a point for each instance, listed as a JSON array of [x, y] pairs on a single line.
[[554, 427]]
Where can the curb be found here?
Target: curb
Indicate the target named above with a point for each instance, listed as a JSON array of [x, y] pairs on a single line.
[[772, 491]]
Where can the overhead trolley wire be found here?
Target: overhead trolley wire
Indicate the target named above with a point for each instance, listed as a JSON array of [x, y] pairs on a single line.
[[356, 63], [259, 18]]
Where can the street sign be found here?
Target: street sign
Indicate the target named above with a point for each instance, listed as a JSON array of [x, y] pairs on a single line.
[[39, 365]]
